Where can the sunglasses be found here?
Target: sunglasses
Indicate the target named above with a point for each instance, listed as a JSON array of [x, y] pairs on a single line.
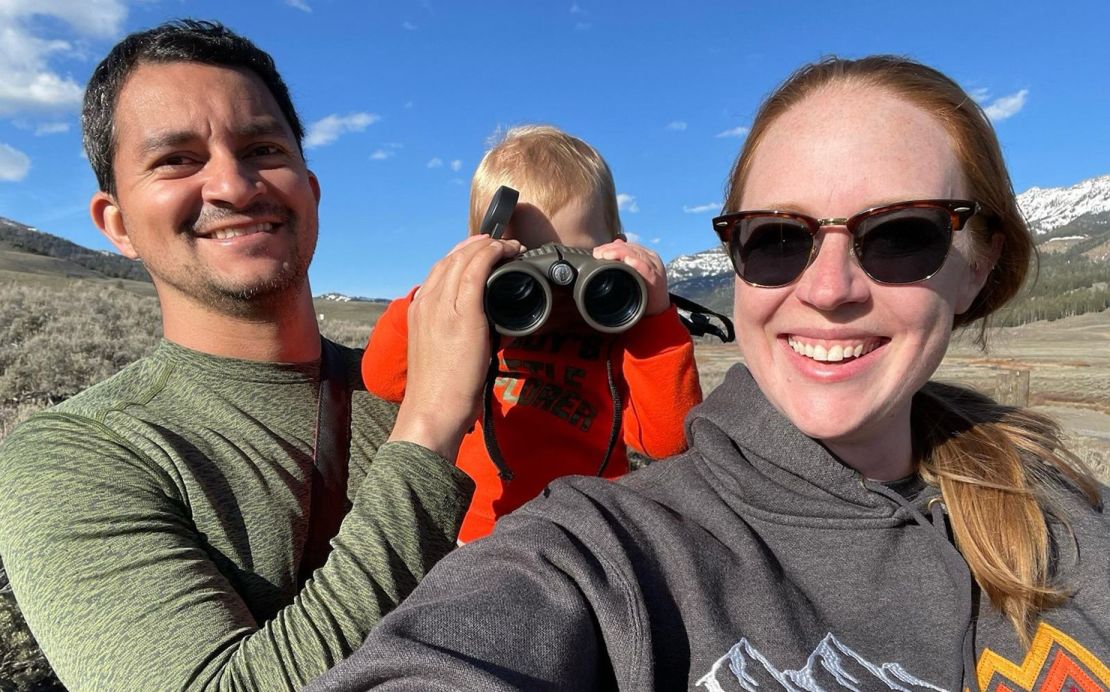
[[898, 243]]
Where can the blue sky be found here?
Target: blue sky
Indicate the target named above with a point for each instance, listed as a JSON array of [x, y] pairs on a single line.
[[402, 97]]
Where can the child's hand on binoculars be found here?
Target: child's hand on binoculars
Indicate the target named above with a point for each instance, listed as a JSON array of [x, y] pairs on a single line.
[[647, 264], [448, 347]]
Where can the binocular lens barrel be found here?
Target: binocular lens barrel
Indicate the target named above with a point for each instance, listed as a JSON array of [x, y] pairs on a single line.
[[517, 302], [521, 293], [612, 299]]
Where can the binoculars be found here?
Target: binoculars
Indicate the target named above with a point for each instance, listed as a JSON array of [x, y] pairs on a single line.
[[521, 293], [524, 292]]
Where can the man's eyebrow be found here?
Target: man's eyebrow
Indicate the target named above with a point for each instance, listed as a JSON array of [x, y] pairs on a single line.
[[168, 139], [165, 140], [262, 127]]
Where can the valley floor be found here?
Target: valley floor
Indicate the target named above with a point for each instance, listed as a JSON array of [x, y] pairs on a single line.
[[1060, 368]]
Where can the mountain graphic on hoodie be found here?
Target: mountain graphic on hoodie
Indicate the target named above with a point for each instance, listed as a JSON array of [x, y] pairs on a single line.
[[831, 666]]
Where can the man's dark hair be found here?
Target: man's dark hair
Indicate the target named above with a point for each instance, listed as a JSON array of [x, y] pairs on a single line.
[[185, 40]]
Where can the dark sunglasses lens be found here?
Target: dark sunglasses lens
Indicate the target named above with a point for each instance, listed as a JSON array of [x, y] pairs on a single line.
[[904, 246], [769, 250]]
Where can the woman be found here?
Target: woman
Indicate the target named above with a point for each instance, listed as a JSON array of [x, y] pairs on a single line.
[[839, 521]]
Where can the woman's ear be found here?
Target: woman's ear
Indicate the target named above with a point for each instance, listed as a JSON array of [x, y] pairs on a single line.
[[979, 270], [106, 214]]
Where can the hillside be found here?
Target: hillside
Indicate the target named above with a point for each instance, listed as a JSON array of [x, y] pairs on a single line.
[[29, 250], [31, 257]]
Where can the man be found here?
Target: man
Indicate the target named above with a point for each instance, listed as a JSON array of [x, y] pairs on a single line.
[[160, 528]]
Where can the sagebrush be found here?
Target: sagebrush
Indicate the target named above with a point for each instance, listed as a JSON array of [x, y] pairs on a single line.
[[54, 342]]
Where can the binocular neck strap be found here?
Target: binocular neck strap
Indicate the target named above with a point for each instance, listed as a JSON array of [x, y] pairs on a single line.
[[504, 472], [698, 323], [615, 395]]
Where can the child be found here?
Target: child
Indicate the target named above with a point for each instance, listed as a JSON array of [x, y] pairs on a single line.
[[553, 412]]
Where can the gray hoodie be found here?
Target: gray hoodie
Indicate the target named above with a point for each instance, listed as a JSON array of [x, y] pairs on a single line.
[[755, 561]]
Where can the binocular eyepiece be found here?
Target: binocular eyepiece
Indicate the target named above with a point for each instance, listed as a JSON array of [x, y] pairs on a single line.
[[521, 293]]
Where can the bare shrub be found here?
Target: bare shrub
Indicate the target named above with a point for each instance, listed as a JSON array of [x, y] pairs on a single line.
[[22, 666], [54, 342], [353, 334], [14, 414]]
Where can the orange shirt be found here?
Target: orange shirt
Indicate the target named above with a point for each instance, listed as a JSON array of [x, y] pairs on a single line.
[[553, 412]]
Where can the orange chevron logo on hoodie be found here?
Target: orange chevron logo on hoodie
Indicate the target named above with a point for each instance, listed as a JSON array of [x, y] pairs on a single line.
[[1055, 663]]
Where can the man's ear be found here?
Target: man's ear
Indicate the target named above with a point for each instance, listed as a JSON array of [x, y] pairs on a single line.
[[315, 183], [978, 273], [106, 214]]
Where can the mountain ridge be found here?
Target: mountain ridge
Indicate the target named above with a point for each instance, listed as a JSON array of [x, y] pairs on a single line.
[[103, 264]]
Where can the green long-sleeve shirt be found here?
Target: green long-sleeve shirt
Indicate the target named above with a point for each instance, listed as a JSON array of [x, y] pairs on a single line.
[[152, 526]]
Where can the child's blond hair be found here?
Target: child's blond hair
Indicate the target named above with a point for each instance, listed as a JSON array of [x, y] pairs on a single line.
[[550, 169]]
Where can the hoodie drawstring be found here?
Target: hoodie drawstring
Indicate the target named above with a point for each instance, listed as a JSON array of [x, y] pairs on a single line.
[[956, 566]]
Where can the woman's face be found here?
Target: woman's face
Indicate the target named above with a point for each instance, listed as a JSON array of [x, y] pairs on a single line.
[[839, 151]]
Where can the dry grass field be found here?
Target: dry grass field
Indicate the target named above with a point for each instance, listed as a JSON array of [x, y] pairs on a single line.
[[1067, 363]]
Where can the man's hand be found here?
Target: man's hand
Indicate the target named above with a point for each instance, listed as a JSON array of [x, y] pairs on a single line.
[[647, 264], [448, 347]]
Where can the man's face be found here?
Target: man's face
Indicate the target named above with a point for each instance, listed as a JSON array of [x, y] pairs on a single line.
[[212, 192]]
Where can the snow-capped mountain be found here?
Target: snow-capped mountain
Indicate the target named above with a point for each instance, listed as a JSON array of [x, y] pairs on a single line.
[[706, 263], [344, 298], [1046, 209]]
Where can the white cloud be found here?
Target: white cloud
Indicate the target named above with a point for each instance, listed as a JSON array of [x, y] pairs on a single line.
[[739, 131], [583, 26], [633, 237], [51, 129], [626, 202], [100, 18], [676, 125], [456, 165], [327, 130], [408, 26], [575, 9], [655, 241], [299, 4], [435, 163], [701, 208], [28, 83], [14, 164], [979, 94], [1006, 106], [382, 154]]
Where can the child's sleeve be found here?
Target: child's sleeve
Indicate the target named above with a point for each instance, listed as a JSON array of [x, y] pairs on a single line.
[[662, 380], [385, 362]]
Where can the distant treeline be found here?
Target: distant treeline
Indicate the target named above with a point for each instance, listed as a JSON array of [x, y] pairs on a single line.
[[39, 243], [1068, 284]]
